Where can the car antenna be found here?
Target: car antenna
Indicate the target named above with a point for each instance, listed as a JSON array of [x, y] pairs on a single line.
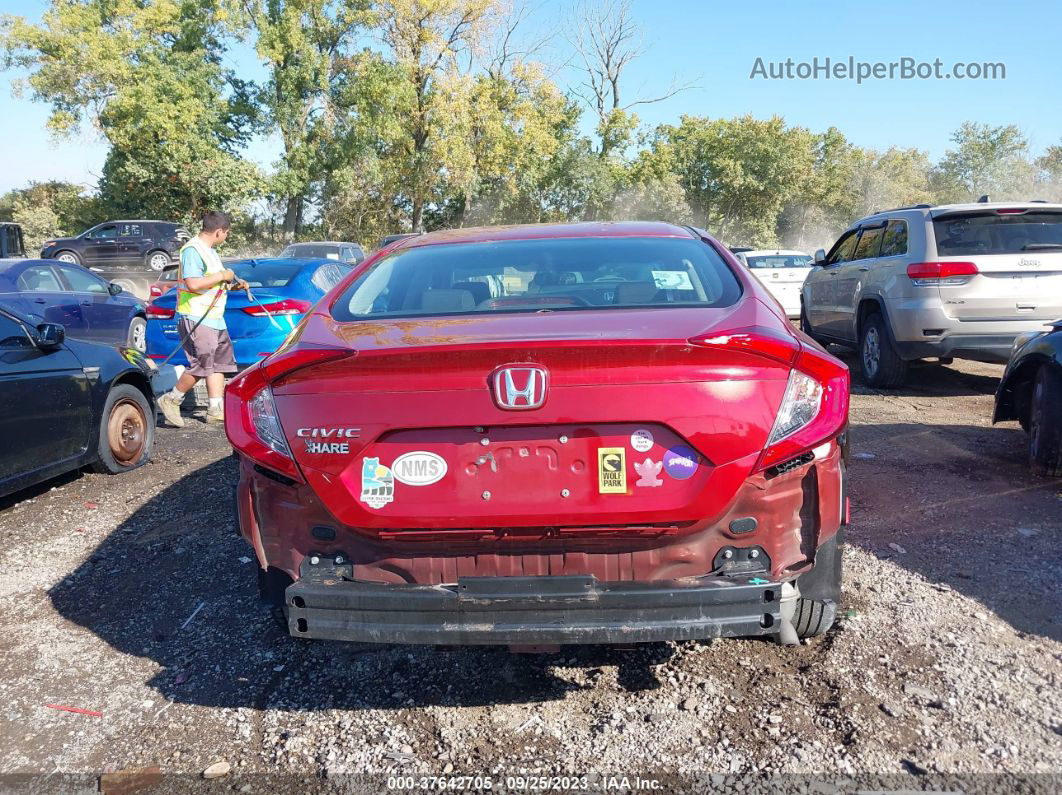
[[983, 199]]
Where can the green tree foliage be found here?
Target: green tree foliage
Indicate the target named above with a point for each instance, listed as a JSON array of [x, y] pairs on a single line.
[[149, 77], [738, 173], [306, 44], [397, 115], [985, 160]]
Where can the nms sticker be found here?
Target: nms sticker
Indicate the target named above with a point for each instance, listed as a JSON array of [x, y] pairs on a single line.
[[611, 470]]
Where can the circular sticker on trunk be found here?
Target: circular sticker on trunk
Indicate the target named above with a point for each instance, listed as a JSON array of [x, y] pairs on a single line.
[[680, 462], [419, 468], [642, 440]]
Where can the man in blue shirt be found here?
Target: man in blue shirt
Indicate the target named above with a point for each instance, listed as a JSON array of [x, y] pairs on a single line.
[[201, 298]]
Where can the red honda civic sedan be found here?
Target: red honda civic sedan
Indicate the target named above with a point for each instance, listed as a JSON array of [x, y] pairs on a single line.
[[539, 435]]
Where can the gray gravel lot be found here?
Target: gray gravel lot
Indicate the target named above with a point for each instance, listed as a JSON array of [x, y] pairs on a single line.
[[132, 597]]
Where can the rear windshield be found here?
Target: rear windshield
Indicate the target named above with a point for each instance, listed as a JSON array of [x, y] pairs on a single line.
[[779, 261], [266, 274], [989, 233], [540, 275], [311, 251]]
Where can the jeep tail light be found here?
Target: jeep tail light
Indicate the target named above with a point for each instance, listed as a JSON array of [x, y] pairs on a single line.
[[813, 410], [929, 274], [159, 312], [289, 306]]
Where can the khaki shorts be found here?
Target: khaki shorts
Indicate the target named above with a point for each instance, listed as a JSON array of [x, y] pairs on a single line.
[[208, 350]]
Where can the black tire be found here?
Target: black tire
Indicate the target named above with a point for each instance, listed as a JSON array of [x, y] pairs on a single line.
[[1045, 422], [137, 334], [820, 588], [157, 260], [879, 362], [813, 618], [127, 431], [68, 256]]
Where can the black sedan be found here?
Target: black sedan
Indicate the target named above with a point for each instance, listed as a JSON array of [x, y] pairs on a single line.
[[88, 307], [1031, 393], [65, 404]]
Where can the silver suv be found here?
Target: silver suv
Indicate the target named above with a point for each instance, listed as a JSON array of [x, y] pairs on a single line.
[[951, 281]]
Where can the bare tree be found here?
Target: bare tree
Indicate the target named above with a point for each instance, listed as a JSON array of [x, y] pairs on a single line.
[[606, 40], [507, 46]]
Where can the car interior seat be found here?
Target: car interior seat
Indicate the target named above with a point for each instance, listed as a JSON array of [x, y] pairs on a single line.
[[442, 300], [479, 291]]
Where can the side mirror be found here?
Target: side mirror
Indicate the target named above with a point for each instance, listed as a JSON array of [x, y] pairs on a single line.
[[820, 257], [114, 289], [50, 336]]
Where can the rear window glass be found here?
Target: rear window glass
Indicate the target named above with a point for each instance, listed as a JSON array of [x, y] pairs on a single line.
[[539, 275], [779, 261], [266, 274], [989, 233], [312, 252]]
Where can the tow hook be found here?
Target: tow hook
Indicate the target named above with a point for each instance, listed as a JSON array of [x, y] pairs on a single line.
[[787, 635]]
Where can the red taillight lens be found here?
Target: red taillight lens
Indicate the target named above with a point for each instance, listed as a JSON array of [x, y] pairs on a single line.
[[760, 340], [252, 425], [289, 306], [819, 393], [159, 312], [925, 274], [251, 420]]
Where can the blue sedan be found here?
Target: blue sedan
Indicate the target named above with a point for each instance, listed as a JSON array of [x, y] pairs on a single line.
[[282, 290], [86, 306]]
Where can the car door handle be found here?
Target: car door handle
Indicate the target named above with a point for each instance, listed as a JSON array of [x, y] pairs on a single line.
[[40, 301], [86, 303], [864, 267]]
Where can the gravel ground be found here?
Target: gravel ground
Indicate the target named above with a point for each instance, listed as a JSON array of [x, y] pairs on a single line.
[[133, 598]]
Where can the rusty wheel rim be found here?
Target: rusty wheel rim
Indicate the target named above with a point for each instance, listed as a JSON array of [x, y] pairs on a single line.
[[127, 432]]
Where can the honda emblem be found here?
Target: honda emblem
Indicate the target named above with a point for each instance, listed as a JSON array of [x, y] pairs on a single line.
[[520, 387]]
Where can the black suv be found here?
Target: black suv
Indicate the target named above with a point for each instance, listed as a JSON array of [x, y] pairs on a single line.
[[137, 244], [11, 241]]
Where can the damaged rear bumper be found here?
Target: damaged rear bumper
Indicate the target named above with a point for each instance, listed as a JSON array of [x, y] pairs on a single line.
[[324, 603]]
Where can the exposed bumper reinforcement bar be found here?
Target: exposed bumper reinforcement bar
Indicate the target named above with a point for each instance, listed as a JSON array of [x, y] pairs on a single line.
[[529, 610]]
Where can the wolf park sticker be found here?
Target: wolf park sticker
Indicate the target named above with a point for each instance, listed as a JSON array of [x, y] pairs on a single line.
[[611, 470]]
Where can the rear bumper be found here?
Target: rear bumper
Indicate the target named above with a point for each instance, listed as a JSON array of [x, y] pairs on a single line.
[[528, 610], [981, 347]]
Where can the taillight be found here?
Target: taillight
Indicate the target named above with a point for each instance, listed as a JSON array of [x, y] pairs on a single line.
[[251, 419], [252, 423], [760, 340], [159, 312], [802, 400], [289, 306], [814, 408], [266, 423], [929, 274]]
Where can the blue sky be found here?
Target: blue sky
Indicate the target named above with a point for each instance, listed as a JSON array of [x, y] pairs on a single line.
[[716, 44]]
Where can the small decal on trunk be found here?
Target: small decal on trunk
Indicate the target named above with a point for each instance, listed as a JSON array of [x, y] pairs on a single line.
[[611, 470], [642, 440], [419, 468], [377, 483], [681, 462], [649, 472]]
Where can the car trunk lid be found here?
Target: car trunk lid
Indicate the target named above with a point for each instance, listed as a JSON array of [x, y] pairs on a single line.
[[639, 426]]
